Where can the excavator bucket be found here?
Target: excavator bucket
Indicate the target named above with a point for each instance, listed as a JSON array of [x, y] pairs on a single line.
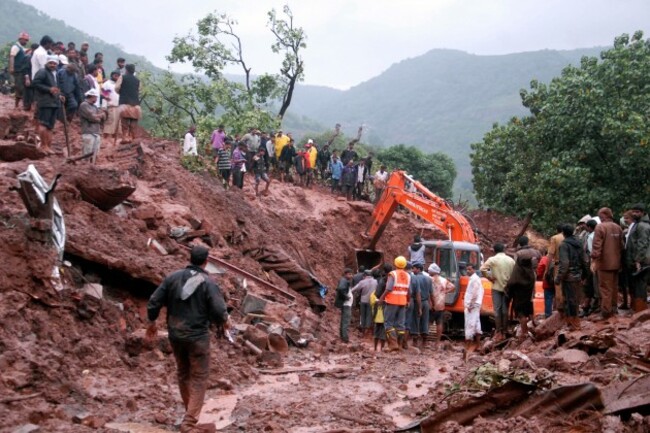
[[366, 258]]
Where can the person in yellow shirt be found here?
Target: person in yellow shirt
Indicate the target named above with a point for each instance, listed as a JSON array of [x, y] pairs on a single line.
[[281, 140]]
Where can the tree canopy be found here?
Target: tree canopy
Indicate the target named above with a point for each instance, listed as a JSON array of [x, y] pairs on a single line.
[[585, 144], [436, 171]]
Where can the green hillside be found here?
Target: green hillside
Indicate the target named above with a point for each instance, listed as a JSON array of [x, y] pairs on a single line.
[[440, 101], [16, 17]]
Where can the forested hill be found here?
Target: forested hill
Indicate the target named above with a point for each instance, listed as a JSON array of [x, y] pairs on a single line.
[[16, 17], [440, 101]]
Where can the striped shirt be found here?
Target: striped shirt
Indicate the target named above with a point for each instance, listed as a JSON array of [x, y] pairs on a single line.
[[224, 159]]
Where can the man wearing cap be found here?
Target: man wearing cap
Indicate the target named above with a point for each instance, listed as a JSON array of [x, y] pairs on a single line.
[[48, 100], [91, 118], [18, 66], [193, 301], [606, 260], [440, 286], [637, 257], [396, 298]]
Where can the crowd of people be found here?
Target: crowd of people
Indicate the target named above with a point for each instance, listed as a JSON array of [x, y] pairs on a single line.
[[276, 153], [584, 270], [64, 84]]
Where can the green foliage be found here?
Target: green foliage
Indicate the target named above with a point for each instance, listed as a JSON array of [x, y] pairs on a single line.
[[4, 55], [585, 144], [199, 164], [436, 171]]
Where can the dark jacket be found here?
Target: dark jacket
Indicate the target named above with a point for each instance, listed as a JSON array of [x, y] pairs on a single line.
[[323, 157], [130, 90], [188, 320], [42, 83], [572, 266], [348, 155], [349, 176], [70, 88], [287, 154], [638, 243]]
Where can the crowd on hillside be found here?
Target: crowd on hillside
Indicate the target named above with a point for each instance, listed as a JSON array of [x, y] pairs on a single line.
[[64, 84], [262, 153]]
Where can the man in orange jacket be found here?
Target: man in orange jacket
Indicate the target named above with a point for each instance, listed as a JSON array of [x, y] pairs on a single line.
[[396, 298]]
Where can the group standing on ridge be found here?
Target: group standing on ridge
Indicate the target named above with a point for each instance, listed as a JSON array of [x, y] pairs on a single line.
[[58, 83]]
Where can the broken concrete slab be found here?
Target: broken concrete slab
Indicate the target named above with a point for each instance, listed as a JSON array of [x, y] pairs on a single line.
[[132, 427], [628, 397], [217, 411]]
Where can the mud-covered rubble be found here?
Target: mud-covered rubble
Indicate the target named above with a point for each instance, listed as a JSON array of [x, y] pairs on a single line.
[[75, 360]]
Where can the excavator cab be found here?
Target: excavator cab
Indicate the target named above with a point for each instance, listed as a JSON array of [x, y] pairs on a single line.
[[449, 255]]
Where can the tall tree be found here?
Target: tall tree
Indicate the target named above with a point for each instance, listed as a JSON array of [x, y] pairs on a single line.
[[584, 145], [216, 44]]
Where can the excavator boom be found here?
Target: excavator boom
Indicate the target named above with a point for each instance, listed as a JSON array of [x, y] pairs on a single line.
[[402, 189]]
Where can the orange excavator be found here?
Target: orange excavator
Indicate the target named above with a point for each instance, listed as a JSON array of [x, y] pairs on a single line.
[[460, 247]]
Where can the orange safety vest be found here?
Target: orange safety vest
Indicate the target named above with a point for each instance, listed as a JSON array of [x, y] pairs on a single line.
[[399, 294]]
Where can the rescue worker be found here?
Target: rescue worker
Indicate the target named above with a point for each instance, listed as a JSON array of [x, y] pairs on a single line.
[[396, 298], [498, 269], [606, 258], [192, 301], [637, 257]]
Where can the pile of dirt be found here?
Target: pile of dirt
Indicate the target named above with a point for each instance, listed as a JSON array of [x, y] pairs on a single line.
[[496, 227]]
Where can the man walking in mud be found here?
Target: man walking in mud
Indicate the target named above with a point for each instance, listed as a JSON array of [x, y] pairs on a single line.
[[192, 301]]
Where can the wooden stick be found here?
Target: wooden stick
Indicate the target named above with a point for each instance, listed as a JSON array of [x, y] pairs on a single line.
[[20, 398]]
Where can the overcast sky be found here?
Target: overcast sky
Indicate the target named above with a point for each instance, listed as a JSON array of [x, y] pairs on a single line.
[[351, 41]]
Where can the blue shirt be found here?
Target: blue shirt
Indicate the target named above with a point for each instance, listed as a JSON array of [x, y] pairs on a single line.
[[337, 169]]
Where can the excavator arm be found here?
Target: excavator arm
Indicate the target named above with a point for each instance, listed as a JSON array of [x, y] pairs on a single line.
[[402, 189]]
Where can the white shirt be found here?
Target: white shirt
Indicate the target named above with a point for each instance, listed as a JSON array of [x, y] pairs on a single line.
[[114, 101], [629, 230], [382, 176], [39, 60], [360, 172], [189, 145]]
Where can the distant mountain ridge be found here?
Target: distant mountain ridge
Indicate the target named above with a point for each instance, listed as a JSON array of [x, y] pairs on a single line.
[[441, 101]]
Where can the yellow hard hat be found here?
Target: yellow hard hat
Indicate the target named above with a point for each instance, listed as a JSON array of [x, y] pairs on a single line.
[[400, 262]]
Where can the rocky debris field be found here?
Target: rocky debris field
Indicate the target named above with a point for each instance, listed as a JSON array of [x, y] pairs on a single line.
[[72, 356]]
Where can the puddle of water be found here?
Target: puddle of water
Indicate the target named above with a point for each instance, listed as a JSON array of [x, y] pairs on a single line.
[[132, 427], [218, 411]]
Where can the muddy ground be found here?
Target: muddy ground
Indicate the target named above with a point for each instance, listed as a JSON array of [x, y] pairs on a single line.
[[74, 362]]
